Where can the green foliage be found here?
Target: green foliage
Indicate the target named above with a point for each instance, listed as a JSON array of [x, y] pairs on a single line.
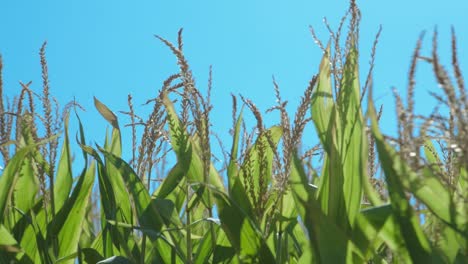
[[275, 206]]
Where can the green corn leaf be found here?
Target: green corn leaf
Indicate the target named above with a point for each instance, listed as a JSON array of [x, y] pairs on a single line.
[[240, 196], [9, 177], [376, 226], [353, 145], [341, 129], [288, 208], [177, 197], [167, 252], [116, 204], [33, 226], [223, 251], [64, 178], [298, 181], [91, 255], [301, 244], [327, 242], [233, 167], [108, 201], [120, 207], [114, 144], [187, 155], [150, 213], [117, 184], [242, 233], [66, 258], [80, 138], [327, 122], [6, 239], [463, 179], [447, 241], [322, 103], [9, 247], [427, 186], [395, 170], [205, 248], [26, 186], [89, 233], [70, 232], [123, 203], [97, 245], [172, 180]]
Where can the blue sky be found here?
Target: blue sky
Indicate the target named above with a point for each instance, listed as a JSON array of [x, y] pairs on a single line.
[[107, 48]]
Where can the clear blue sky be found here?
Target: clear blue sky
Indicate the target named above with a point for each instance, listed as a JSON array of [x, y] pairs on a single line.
[[107, 48]]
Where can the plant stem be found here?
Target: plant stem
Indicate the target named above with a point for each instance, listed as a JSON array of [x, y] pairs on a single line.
[[187, 217]]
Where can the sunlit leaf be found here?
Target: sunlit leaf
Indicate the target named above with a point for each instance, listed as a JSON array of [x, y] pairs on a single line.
[[70, 232]]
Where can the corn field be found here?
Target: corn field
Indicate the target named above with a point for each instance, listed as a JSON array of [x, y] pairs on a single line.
[[358, 196]]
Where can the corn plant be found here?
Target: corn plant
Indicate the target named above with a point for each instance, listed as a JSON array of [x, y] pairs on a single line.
[[279, 205]]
